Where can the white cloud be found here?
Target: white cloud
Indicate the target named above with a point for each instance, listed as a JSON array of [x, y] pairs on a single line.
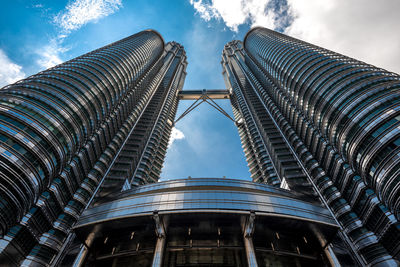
[[365, 30], [362, 29], [175, 135], [79, 12], [50, 55], [76, 14], [9, 71], [236, 12]]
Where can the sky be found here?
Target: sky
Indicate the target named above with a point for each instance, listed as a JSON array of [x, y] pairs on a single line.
[[38, 34]]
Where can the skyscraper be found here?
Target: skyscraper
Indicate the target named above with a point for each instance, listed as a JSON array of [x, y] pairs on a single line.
[[79, 131], [309, 116], [82, 147]]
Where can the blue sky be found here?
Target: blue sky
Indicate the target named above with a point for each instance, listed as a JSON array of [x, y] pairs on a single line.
[[37, 34]]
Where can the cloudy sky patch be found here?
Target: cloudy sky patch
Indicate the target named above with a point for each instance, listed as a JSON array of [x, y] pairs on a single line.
[[80, 12]]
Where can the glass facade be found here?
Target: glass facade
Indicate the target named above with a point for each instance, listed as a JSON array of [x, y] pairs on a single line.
[[79, 131], [82, 146], [332, 122], [206, 222]]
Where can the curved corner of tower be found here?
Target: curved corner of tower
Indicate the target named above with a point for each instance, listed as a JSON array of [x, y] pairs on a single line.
[[156, 32], [250, 31]]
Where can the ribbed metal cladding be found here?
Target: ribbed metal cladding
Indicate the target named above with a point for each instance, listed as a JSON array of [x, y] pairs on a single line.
[[340, 118], [355, 106], [124, 154], [270, 160], [47, 118], [62, 129], [152, 158], [141, 157]]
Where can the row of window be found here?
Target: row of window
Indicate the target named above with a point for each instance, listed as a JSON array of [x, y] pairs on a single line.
[[258, 158], [283, 159], [303, 130], [329, 103], [320, 149], [154, 152], [74, 112], [82, 195]]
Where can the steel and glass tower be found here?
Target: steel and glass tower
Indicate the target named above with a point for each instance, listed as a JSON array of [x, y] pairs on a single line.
[[81, 131], [320, 123], [82, 146]]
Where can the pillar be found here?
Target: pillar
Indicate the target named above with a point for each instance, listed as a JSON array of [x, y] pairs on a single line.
[[248, 229]]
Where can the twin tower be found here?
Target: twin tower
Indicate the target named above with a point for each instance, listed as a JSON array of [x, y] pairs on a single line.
[[82, 146]]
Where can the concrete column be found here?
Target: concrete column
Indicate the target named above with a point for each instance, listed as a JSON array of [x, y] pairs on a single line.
[[161, 238], [248, 229]]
